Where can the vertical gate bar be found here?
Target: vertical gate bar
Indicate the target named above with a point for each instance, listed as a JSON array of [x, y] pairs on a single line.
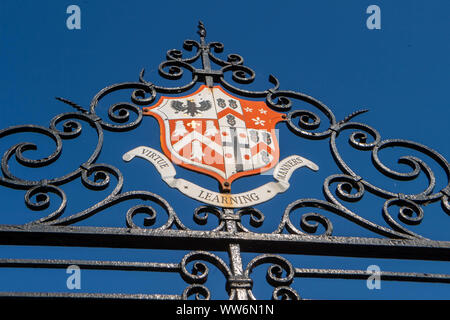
[[234, 253]]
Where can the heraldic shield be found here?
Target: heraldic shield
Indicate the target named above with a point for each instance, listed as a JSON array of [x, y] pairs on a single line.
[[215, 133]]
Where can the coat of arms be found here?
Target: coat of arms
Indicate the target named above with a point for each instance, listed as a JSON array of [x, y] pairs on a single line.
[[214, 133]]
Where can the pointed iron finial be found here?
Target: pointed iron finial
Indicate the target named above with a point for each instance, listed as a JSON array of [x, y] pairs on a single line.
[[201, 29], [209, 81], [354, 114], [72, 104]]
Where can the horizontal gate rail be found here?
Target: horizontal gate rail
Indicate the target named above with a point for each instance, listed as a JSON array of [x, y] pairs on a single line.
[[213, 240]]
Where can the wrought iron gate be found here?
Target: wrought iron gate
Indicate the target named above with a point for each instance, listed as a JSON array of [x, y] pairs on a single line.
[[395, 239]]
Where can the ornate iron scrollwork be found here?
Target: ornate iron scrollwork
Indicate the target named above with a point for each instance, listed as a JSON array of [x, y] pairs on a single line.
[[231, 233]]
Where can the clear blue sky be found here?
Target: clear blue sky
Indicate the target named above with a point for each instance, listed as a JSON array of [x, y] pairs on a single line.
[[321, 48]]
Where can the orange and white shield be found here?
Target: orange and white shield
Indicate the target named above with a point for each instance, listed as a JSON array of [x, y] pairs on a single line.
[[215, 133]]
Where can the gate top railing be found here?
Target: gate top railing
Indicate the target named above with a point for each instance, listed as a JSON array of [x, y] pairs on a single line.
[[394, 237]]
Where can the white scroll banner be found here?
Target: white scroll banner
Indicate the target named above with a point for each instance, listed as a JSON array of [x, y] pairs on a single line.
[[281, 173]]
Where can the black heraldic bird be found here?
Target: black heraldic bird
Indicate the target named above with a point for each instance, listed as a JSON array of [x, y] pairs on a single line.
[[191, 107]]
